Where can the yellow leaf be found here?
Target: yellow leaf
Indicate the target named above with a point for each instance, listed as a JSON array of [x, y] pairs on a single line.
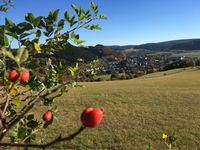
[[13, 92], [37, 47], [18, 102], [164, 136]]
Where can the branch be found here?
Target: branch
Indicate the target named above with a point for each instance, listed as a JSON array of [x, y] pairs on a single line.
[[80, 26], [6, 105], [37, 99], [44, 146], [11, 86], [29, 107]]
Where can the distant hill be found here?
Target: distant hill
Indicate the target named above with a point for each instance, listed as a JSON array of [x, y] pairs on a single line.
[[71, 53], [185, 44]]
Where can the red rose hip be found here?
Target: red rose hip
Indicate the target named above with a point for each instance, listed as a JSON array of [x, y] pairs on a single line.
[[13, 75], [91, 117], [48, 116], [24, 76]]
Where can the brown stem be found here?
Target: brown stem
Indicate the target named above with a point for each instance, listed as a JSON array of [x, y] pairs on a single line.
[[6, 105], [44, 146], [80, 26], [11, 86], [29, 107], [34, 131]]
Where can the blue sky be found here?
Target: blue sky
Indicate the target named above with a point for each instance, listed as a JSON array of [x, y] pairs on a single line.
[[129, 22]]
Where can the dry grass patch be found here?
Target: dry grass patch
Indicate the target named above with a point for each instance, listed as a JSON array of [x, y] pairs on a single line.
[[138, 111]]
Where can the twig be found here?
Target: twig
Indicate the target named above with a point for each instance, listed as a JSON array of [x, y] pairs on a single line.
[[44, 146], [30, 106], [6, 105], [11, 86], [34, 131]]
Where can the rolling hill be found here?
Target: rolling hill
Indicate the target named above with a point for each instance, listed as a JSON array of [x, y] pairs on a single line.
[[184, 44], [71, 53], [137, 112]]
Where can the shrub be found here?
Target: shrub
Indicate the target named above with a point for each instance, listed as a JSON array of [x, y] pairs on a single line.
[[31, 81], [114, 76]]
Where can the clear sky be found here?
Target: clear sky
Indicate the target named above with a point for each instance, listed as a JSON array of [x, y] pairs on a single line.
[[129, 21]]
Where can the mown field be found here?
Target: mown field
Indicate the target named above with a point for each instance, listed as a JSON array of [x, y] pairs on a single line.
[[188, 54], [138, 111]]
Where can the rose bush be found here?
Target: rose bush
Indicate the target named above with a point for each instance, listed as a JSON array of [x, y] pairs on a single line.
[[23, 85]]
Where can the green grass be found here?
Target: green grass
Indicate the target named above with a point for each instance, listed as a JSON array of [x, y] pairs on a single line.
[[164, 73], [103, 77], [188, 54], [138, 111]]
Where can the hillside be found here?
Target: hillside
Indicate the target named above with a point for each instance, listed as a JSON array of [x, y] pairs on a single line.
[[138, 111], [72, 53], [185, 44]]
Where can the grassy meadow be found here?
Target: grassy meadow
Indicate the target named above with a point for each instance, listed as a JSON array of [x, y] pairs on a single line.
[[188, 54], [138, 111]]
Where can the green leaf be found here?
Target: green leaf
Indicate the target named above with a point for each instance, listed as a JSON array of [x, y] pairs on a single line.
[[81, 17], [22, 55], [47, 101], [29, 17], [36, 21], [95, 26], [96, 10], [67, 16], [75, 38], [61, 24], [54, 109], [92, 6], [63, 90], [8, 54], [38, 34], [82, 14], [103, 17], [75, 8], [72, 70], [32, 124], [82, 11], [79, 41], [89, 16], [87, 26], [74, 84], [55, 117], [73, 35], [35, 84], [25, 26], [48, 123], [3, 9], [55, 15], [23, 35], [2, 66], [18, 102], [9, 23], [30, 117], [25, 56], [22, 130], [12, 35], [72, 22], [3, 37], [42, 24]]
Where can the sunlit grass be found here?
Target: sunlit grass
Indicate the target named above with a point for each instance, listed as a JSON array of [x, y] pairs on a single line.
[[188, 54], [138, 111]]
